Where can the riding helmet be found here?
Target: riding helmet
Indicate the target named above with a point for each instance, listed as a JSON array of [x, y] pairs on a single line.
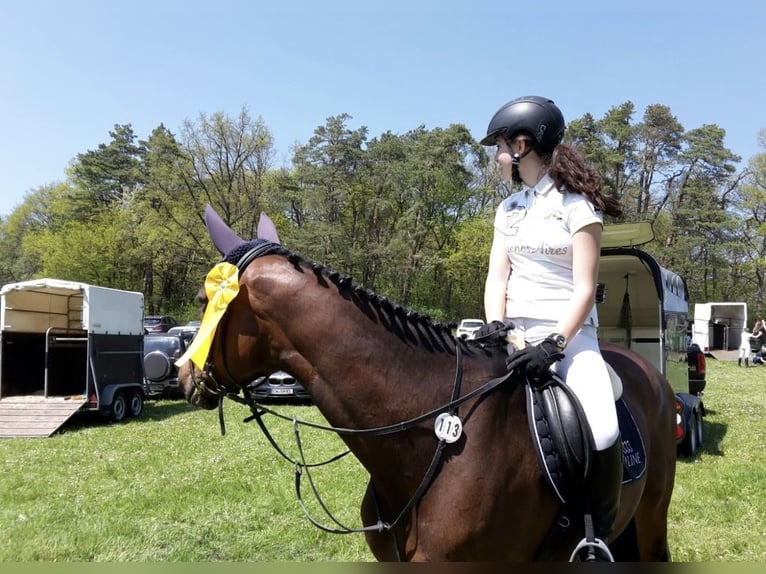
[[535, 116]]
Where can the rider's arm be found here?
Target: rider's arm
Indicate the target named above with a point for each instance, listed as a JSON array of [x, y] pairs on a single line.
[[496, 282], [586, 253]]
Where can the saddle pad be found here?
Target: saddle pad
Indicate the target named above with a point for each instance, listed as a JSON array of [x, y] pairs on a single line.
[[633, 451]]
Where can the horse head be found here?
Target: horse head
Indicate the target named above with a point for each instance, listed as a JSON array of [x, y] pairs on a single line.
[[219, 368]]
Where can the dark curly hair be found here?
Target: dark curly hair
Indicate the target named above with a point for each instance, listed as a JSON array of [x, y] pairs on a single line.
[[568, 169]]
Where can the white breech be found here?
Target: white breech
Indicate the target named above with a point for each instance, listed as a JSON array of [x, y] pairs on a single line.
[[585, 372]]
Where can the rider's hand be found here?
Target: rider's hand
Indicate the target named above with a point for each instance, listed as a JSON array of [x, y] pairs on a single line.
[[535, 360], [493, 329]]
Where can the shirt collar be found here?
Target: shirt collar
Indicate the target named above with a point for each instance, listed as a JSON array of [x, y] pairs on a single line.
[[544, 185]]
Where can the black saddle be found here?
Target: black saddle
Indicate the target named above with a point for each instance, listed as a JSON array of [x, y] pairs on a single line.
[[564, 443]]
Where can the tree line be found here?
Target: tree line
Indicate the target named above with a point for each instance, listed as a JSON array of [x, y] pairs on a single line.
[[406, 215]]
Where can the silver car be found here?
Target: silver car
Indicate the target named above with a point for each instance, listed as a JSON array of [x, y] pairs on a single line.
[[468, 328], [278, 386]]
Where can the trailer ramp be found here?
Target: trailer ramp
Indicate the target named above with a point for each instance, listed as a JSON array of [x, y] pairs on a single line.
[[36, 416], [722, 355]]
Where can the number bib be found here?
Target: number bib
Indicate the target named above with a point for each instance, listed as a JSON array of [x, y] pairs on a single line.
[[448, 427]]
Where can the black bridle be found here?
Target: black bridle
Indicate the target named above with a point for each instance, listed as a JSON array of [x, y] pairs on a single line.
[[241, 256], [218, 390], [258, 410]]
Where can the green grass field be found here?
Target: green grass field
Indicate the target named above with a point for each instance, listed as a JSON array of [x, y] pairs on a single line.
[[169, 487]]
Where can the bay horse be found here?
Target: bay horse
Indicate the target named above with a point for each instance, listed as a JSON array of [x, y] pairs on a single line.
[[370, 364]]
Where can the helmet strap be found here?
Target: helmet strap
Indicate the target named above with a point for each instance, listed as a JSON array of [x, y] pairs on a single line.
[[516, 159], [515, 175]]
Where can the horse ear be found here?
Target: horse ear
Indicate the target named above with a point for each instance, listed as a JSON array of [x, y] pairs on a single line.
[[221, 234], [266, 229]]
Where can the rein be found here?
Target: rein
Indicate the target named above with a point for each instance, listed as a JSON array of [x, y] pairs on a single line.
[[258, 410]]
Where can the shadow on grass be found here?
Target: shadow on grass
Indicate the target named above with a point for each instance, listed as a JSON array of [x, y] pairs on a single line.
[[164, 409], [713, 437], [713, 433], [154, 410]]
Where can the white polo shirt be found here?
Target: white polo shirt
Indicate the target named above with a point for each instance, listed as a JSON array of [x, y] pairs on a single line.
[[538, 224]]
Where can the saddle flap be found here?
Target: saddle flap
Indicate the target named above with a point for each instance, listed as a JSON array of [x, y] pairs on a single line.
[[561, 435], [563, 441]]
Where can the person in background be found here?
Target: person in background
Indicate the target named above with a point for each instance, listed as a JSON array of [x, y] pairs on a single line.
[[542, 274], [759, 356], [744, 348]]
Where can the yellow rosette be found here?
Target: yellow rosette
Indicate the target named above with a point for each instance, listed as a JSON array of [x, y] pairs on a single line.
[[221, 286]]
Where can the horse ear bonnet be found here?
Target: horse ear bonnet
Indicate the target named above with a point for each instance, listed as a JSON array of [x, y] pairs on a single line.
[[231, 245], [224, 239], [266, 229]]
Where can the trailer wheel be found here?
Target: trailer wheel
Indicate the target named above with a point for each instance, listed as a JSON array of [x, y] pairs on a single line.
[[118, 408], [700, 434], [692, 436], [135, 403]]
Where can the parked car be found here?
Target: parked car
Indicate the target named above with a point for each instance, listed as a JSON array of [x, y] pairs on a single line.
[[278, 385], [468, 327], [186, 332], [159, 323], [161, 350]]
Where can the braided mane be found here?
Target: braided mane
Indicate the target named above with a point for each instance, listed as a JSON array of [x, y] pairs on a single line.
[[409, 325]]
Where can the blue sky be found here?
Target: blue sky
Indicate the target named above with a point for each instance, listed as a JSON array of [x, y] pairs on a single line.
[[71, 70]]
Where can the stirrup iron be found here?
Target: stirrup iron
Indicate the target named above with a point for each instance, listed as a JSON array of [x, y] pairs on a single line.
[[597, 550]]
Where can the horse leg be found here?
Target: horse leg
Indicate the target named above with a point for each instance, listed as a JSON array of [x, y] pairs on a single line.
[[625, 547], [651, 523], [651, 516], [383, 545]]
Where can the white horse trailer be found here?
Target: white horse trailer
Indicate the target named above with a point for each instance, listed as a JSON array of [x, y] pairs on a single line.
[[719, 326], [67, 347]]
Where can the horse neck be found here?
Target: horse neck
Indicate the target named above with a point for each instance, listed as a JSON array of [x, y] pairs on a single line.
[[362, 365]]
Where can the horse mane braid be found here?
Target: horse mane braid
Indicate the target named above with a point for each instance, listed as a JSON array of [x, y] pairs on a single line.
[[406, 323]]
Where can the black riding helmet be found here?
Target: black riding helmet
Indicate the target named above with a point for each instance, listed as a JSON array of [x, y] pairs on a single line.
[[534, 116]]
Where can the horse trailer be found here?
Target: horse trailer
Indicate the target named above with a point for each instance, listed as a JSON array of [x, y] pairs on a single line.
[[645, 307], [68, 347], [719, 326]]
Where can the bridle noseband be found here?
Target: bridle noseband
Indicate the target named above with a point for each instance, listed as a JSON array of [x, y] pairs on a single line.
[[243, 255]]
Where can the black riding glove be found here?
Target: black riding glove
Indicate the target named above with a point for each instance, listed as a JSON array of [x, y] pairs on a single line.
[[493, 330], [535, 360]]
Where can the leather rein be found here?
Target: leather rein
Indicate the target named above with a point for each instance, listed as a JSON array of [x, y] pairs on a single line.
[[258, 410]]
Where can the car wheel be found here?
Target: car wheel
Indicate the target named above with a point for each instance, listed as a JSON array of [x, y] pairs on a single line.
[[118, 408], [135, 403], [700, 434]]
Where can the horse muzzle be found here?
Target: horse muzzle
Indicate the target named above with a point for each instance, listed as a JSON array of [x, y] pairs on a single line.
[[196, 388]]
